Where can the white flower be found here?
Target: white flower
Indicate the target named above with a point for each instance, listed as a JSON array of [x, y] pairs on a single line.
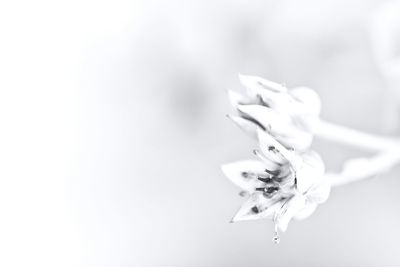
[[282, 184], [288, 115], [288, 180]]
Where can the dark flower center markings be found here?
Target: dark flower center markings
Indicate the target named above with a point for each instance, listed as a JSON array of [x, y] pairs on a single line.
[[265, 180], [268, 190], [255, 209]]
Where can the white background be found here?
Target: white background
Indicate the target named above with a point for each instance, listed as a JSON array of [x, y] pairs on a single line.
[[113, 128]]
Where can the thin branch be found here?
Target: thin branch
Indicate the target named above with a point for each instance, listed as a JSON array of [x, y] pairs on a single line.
[[363, 168], [341, 134]]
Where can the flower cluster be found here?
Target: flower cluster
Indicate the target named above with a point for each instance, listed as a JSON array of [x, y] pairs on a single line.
[[287, 180]]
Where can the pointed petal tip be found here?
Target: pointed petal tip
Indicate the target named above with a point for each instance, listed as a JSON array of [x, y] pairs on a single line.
[[244, 124], [240, 107], [234, 118], [253, 82], [235, 98], [283, 227], [244, 78], [235, 219], [247, 80], [241, 75], [224, 167], [241, 217]]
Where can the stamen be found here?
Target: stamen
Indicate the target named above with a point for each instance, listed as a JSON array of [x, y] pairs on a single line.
[[282, 178], [245, 174], [276, 239], [248, 175], [295, 177], [265, 180], [276, 151], [255, 209], [270, 190], [273, 173], [243, 193]]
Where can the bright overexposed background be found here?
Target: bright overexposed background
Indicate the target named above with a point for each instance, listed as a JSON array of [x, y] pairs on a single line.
[[113, 128]]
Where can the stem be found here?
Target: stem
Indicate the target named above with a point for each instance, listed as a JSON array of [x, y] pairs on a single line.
[[341, 134], [363, 168], [388, 149]]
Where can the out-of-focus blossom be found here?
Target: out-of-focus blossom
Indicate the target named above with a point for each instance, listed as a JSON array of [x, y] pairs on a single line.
[[288, 115], [385, 34], [282, 184]]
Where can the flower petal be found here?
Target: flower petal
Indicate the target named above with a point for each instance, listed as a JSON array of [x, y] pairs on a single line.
[[306, 211], [256, 84], [307, 100], [257, 207], [314, 160], [272, 161], [238, 99], [319, 192], [278, 101], [296, 101], [247, 126], [279, 125], [245, 173], [299, 101], [309, 171], [289, 210], [268, 118], [300, 142], [271, 147], [306, 122]]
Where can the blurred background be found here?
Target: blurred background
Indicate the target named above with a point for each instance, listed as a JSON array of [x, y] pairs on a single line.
[[113, 129]]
